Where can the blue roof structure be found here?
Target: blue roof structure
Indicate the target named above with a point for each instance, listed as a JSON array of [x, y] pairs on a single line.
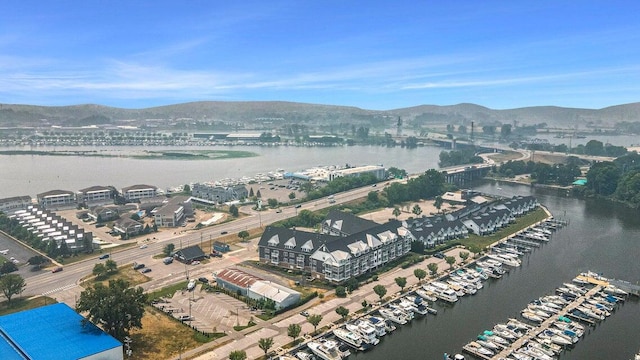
[[53, 332]]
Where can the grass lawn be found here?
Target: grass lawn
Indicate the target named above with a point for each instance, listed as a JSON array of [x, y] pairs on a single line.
[[19, 304], [163, 337], [481, 242], [167, 291], [126, 272]]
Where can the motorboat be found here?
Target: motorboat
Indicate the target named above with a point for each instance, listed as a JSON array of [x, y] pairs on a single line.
[[505, 260], [447, 294], [590, 313], [500, 329], [578, 289], [457, 288], [379, 324], [393, 315], [366, 331], [519, 325], [483, 341], [555, 337], [418, 305], [426, 295], [541, 348], [548, 345], [350, 338], [568, 329], [326, 350], [491, 336], [406, 311], [531, 316], [614, 290], [474, 347], [533, 353], [304, 355]]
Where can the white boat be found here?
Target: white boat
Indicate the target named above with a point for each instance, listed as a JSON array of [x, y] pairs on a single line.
[[379, 324], [392, 315], [555, 337], [611, 289], [304, 355], [504, 260], [326, 350], [352, 339], [579, 289], [443, 294], [548, 345], [407, 312], [533, 353], [418, 305], [539, 347], [366, 331], [519, 325], [474, 347], [531, 316], [568, 329], [590, 313], [426, 295]]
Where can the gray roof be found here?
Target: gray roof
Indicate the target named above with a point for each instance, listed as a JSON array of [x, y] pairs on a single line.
[[190, 253], [347, 223]]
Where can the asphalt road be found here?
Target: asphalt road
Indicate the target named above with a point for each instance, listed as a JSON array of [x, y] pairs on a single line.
[[53, 284]]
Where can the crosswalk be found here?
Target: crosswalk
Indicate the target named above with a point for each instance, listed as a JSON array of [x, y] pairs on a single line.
[[62, 288]]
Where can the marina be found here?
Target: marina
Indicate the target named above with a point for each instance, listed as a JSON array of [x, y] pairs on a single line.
[[559, 330], [364, 332]]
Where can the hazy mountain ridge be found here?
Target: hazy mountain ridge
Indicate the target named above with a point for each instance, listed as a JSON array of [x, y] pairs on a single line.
[[292, 112]]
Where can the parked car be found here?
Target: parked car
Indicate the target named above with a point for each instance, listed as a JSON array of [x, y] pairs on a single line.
[[191, 285], [184, 318], [305, 313], [439, 255], [143, 246], [298, 206], [203, 280], [216, 254], [279, 211], [145, 270], [105, 256], [56, 269], [137, 266], [224, 232], [167, 260]]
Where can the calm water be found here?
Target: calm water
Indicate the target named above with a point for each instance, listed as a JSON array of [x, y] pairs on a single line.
[[30, 175], [600, 237]]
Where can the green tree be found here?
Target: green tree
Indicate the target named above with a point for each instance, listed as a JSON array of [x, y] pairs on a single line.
[[292, 195], [433, 268], [99, 270], [438, 203], [11, 284], [168, 249], [396, 212], [343, 312], [380, 290], [293, 331], [233, 210], [341, 292], [258, 195], [244, 235], [238, 355], [505, 130], [450, 260], [464, 255], [401, 281], [273, 203], [314, 320], [416, 210], [117, 307], [186, 189], [111, 266], [419, 274], [251, 194], [265, 344], [8, 267]]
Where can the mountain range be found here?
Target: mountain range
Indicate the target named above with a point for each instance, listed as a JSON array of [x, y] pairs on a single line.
[[15, 115]]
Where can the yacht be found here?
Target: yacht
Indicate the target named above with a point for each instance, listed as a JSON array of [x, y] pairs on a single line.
[[395, 316], [352, 339], [304, 356], [366, 331], [613, 290], [426, 295], [531, 316], [403, 308], [505, 260], [379, 324], [555, 337], [445, 295], [326, 350], [417, 304], [491, 336], [475, 348], [534, 353]]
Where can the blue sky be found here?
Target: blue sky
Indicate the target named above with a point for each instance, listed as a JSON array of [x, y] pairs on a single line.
[[370, 54]]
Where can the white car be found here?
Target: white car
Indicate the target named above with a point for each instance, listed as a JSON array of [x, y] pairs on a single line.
[[191, 285], [143, 246]]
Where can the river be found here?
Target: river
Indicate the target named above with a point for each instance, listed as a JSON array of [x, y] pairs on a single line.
[[33, 174], [601, 237]]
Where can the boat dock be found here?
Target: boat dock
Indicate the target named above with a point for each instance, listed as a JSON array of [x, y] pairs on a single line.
[[544, 325]]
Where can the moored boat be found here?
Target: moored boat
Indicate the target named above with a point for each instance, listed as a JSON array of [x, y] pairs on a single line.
[[326, 350]]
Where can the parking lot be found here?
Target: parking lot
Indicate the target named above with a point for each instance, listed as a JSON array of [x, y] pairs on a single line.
[[208, 311], [20, 253]]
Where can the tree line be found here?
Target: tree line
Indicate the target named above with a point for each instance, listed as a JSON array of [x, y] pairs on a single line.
[[618, 180], [560, 174]]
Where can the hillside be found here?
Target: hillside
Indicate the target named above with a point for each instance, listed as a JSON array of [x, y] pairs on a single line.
[[12, 115]]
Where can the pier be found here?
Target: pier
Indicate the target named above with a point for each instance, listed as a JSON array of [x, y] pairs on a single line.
[[543, 326]]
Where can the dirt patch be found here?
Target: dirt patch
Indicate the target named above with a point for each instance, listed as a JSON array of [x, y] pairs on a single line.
[[550, 158], [427, 206], [505, 156], [160, 337]]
